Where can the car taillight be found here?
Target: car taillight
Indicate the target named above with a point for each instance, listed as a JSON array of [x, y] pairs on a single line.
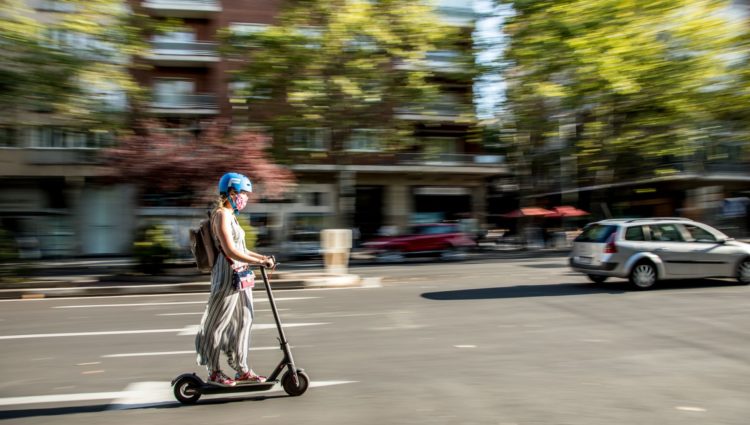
[[611, 248]]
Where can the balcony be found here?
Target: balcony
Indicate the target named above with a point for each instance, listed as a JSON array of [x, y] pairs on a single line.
[[173, 53], [439, 61], [42, 162], [175, 104], [453, 112], [182, 8], [380, 162]]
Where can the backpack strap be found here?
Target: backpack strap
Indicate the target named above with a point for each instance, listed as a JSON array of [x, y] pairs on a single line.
[[216, 241]]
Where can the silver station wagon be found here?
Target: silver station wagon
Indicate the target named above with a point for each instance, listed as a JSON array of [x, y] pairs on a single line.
[[647, 250]]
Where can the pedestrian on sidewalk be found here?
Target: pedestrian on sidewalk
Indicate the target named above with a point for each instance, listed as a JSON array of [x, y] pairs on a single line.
[[228, 317]]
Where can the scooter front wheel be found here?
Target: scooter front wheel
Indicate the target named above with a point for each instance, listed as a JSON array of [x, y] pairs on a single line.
[[298, 388], [187, 390]]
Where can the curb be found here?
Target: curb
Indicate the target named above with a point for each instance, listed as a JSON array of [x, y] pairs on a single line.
[[91, 288]]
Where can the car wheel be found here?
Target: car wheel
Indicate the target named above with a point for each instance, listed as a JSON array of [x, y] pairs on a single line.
[[596, 278], [643, 275], [743, 272], [390, 256], [453, 253]]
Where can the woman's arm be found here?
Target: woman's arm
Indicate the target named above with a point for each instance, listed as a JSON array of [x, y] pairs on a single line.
[[224, 235]]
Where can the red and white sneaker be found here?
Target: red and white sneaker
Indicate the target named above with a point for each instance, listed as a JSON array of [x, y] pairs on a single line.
[[248, 376], [218, 377]]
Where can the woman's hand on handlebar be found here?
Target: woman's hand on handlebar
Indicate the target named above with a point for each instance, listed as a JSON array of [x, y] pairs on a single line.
[[268, 262]]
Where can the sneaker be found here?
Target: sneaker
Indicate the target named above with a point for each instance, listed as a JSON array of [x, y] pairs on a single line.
[[248, 377], [218, 377]]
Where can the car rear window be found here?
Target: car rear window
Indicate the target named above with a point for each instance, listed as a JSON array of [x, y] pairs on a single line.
[[635, 233], [596, 233]]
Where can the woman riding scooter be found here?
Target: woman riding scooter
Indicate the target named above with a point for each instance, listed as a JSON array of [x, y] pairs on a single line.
[[228, 317]]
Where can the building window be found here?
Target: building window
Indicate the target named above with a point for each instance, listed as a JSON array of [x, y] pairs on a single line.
[[365, 140], [7, 137], [310, 139], [55, 6], [241, 28], [439, 145], [55, 137], [181, 36], [173, 91]]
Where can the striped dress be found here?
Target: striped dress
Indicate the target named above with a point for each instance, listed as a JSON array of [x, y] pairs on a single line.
[[228, 318]]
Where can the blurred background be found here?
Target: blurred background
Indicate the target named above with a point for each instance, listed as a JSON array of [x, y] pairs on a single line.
[[518, 120]]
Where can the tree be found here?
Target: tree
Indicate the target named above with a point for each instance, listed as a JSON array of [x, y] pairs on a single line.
[[340, 65], [631, 87], [73, 65], [161, 164]]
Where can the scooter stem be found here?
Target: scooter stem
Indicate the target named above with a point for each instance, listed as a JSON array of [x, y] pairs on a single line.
[[282, 337]]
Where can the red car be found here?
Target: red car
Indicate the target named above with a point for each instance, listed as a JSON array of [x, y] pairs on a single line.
[[443, 239]]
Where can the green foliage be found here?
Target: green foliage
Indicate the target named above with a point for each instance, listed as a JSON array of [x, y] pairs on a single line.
[[342, 65], [251, 233], [643, 82], [152, 248], [70, 63]]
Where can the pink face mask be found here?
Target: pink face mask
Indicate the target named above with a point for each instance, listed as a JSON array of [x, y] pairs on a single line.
[[240, 201]]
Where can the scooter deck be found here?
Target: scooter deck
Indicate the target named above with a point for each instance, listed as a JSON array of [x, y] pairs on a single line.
[[208, 388]]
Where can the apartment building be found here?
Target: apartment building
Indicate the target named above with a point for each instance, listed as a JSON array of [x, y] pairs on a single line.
[[357, 185], [53, 199]]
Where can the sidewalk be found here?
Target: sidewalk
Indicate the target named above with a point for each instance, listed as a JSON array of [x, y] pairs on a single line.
[[105, 277]]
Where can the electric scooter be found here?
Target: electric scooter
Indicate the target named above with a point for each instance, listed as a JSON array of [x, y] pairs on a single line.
[[188, 387]]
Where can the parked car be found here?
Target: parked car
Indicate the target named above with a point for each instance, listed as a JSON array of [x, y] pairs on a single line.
[[441, 239], [651, 249], [302, 245]]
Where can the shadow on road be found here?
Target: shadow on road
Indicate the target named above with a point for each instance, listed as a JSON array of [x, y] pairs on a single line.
[[567, 289], [520, 291], [107, 407]]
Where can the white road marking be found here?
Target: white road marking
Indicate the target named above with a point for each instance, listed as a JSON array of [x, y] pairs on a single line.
[[88, 364], [58, 398], [201, 313], [171, 303], [203, 295], [93, 297], [170, 353], [139, 394], [318, 384], [690, 409], [193, 329], [69, 334], [187, 330], [128, 305], [465, 346], [147, 394]]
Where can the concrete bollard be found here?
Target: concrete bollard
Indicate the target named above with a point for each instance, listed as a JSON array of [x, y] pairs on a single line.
[[336, 245]]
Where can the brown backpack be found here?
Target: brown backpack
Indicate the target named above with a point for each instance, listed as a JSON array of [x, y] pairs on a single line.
[[203, 246]]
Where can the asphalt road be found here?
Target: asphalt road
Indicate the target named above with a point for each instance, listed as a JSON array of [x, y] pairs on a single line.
[[519, 341]]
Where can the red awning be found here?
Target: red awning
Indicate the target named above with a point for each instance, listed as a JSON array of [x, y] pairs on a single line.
[[528, 212], [568, 211]]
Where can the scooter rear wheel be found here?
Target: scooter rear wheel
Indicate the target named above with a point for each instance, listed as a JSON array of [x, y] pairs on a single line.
[[298, 388], [187, 390]]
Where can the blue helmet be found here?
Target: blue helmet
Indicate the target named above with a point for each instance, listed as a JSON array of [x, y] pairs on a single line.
[[235, 181]]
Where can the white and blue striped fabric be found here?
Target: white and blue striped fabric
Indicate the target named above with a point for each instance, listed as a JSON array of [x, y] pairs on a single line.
[[228, 318]]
